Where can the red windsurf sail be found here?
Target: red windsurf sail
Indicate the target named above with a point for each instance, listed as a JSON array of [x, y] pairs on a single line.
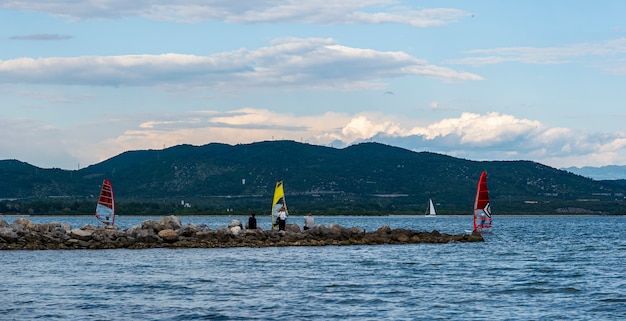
[[105, 210], [482, 207]]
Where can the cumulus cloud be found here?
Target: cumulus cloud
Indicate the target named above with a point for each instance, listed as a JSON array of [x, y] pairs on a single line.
[[360, 127], [495, 136], [475, 129], [259, 11], [294, 62], [490, 136]]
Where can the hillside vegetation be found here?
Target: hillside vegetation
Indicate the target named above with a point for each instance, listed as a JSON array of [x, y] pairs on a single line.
[[368, 178]]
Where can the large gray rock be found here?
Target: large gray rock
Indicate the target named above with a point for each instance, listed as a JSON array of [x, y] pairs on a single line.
[[8, 234], [151, 225], [168, 235], [234, 223], [83, 235], [25, 223], [235, 227], [188, 231], [146, 236], [235, 230], [168, 222], [58, 233], [292, 228], [171, 222]]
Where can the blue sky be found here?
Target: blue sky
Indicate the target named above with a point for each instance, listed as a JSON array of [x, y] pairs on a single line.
[[82, 81]]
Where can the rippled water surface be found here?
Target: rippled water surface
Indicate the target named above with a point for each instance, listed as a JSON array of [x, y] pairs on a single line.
[[529, 268]]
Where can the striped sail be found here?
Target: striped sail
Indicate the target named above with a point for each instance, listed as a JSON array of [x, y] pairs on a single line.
[[105, 210]]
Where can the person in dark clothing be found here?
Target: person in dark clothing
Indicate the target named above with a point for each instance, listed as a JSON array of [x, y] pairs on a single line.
[[252, 221]]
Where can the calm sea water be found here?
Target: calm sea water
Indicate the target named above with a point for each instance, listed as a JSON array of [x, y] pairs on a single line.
[[529, 268]]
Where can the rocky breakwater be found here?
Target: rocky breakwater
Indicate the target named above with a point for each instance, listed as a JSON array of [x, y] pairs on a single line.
[[168, 232]]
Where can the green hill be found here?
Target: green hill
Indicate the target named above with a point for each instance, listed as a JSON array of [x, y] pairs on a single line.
[[360, 179]]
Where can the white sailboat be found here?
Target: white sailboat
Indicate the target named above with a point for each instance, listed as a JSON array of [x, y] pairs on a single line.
[[430, 210]]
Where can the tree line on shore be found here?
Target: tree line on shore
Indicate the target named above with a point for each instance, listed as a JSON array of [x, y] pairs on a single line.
[[169, 207]]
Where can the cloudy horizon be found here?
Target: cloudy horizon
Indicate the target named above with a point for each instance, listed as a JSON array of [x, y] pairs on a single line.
[[83, 82]]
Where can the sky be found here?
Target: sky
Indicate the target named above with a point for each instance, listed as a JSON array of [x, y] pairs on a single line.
[[82, 81]]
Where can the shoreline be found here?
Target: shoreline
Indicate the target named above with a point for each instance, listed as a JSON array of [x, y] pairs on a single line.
[[321, 215]]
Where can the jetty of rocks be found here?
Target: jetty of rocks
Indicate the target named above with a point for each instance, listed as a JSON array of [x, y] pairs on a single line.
[[168, 232]]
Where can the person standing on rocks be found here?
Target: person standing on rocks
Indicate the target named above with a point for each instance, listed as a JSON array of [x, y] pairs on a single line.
[[252, 222], [282, 219], [309, 222]]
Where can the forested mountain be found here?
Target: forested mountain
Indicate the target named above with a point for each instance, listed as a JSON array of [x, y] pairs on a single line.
[[365, 178]]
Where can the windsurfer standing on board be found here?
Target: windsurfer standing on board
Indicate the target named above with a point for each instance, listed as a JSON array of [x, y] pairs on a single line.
[[485, 216], [282, 218], [483, 219]]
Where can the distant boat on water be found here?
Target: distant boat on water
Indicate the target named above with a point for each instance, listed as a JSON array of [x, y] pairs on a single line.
[[430, 209]]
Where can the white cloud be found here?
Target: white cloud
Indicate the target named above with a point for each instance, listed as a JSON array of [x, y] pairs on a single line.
[[43, 36], [360, 127], [549, 55], [292, 62], [490, 136], [258, 11]]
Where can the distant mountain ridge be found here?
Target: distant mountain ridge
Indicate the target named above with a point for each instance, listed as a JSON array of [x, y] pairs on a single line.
[[363, 178], [609, 172]]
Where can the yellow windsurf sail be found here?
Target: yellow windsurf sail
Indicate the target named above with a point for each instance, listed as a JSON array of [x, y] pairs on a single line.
[[279, 202]]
